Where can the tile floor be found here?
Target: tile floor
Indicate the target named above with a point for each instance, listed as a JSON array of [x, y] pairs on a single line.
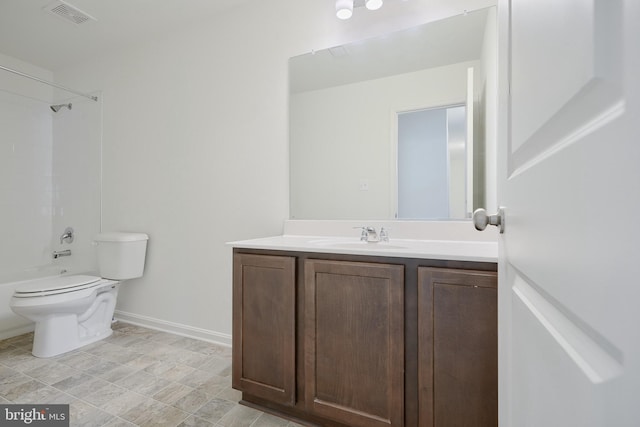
[[136, 377]]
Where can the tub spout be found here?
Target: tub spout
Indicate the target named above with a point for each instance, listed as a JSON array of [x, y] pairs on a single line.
[[58, 254]]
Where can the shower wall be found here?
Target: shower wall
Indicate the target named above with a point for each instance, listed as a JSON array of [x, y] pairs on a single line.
[[26, 169], [76, 181], [49, 180]]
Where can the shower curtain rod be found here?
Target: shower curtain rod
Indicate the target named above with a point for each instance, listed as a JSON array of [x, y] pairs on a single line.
[[20, 73]]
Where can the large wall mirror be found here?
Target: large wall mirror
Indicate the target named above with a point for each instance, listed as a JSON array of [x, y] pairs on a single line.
[[396, 127]]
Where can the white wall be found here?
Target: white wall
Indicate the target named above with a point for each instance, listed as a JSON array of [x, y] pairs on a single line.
[[196, 143]]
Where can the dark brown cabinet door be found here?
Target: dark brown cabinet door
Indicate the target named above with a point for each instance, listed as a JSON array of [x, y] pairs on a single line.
[[354, 342], [264, 326], [458, 348]]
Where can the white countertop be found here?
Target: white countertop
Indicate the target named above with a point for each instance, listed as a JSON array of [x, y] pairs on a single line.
[[455, 250]]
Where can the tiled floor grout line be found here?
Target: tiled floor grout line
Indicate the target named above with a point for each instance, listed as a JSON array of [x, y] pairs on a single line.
[[191, 377]]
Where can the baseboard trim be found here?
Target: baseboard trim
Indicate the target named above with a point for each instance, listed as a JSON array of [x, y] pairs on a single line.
[[14, 332], [174, 328]]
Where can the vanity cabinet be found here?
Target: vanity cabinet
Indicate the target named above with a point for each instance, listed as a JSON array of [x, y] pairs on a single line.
[[458, 348], [264, 326], [354, 342], [339, 340]]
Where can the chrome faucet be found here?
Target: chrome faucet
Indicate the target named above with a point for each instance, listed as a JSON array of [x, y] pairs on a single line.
[[67, 236], [369, 234], [58, 254]]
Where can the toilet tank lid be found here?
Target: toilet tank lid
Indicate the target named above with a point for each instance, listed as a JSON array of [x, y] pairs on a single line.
[[119, 236]]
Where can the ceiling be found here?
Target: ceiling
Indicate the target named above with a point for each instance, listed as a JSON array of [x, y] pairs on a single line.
[[28, 32]]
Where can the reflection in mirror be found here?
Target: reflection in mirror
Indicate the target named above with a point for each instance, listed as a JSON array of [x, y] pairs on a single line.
[[431, 161], [346, 111]]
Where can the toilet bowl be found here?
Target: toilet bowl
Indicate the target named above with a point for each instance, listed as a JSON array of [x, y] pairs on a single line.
[[72, 311]]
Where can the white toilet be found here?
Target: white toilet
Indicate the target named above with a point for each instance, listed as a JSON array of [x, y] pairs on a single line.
[[73, 311]]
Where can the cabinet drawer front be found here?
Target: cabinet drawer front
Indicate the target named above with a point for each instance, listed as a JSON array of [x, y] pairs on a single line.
[[264, 326], [354, 342]]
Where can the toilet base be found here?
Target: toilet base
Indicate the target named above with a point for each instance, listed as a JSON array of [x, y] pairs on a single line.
[[63, 332], [46, 344]]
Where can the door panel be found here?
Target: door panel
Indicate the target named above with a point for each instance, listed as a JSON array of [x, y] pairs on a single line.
[[565, 74], [535, 47], [569, 176]]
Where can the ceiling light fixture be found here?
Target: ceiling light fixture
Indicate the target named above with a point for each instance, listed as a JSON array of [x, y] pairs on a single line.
[[344, 8], [373, 4]]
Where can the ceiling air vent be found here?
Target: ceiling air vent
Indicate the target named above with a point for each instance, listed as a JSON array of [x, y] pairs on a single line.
[[70, 13]]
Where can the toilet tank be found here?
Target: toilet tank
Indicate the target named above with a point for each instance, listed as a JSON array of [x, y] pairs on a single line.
[[121, 255]]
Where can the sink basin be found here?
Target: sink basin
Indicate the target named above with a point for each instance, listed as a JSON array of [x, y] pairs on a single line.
[[367, 245], [355, 244]]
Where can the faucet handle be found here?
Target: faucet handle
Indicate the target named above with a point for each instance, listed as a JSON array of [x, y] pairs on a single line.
[[67, 236], [384, 234], [364, 235]]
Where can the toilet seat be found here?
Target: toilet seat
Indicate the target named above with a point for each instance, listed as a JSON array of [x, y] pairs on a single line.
[[59, 285]]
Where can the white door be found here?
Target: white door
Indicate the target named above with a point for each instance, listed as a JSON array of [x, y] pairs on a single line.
[[569, 178]]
